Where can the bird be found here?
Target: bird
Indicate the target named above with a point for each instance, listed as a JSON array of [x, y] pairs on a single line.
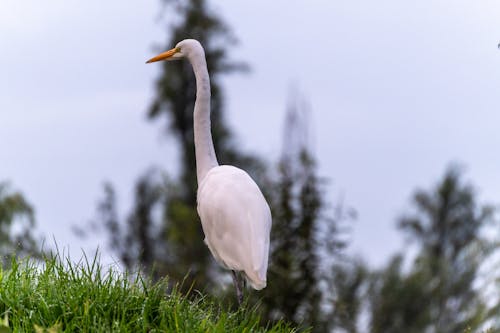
[[235, 217]]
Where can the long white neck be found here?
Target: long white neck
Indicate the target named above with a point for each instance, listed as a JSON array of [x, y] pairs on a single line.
[[203, 144]]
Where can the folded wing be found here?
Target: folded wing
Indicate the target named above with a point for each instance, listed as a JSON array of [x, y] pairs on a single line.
[[236, 220]]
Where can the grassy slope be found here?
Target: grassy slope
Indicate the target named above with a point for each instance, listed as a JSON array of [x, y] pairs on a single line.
[[81, 298]]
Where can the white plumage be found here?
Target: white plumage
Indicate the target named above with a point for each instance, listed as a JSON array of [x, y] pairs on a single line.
[[236, 218], [236, 221]]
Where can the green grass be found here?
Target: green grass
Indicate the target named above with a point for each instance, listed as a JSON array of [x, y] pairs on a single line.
[[65, 297]]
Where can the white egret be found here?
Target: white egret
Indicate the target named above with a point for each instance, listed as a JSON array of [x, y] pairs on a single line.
[[235, 217]]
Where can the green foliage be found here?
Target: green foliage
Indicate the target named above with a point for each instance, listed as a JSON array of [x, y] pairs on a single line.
[[16, 225], [448, 220], [293, 291], [60, 296], [347, 284], [438, 292], [398, 302], [305, 239]]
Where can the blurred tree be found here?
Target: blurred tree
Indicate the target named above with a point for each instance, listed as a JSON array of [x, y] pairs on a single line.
[[347, 288], [304, 238], [399, 303], [141, 226], [438, 293], [16, 226]]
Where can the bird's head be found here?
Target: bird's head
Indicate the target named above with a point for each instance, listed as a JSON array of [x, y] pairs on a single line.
[[183, 49]]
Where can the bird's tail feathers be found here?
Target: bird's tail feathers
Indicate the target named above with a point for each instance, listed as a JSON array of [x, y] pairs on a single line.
[[256, 279]]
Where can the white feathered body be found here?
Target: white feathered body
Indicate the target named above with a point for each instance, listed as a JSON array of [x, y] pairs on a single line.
[[236, 220]]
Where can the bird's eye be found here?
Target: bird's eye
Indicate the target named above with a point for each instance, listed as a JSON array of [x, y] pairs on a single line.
[[177, 49]]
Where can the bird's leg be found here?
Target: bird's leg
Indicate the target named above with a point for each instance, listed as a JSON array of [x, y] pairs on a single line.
[[239, 293]]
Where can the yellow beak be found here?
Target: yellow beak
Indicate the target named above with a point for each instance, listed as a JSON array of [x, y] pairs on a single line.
[[163, 56]]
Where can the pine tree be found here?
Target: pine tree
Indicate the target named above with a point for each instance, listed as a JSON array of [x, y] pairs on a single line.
[[437, 294], [304, 237], [16, 226]]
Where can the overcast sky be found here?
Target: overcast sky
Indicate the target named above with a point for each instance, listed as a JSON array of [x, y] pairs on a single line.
[[397, 90]]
